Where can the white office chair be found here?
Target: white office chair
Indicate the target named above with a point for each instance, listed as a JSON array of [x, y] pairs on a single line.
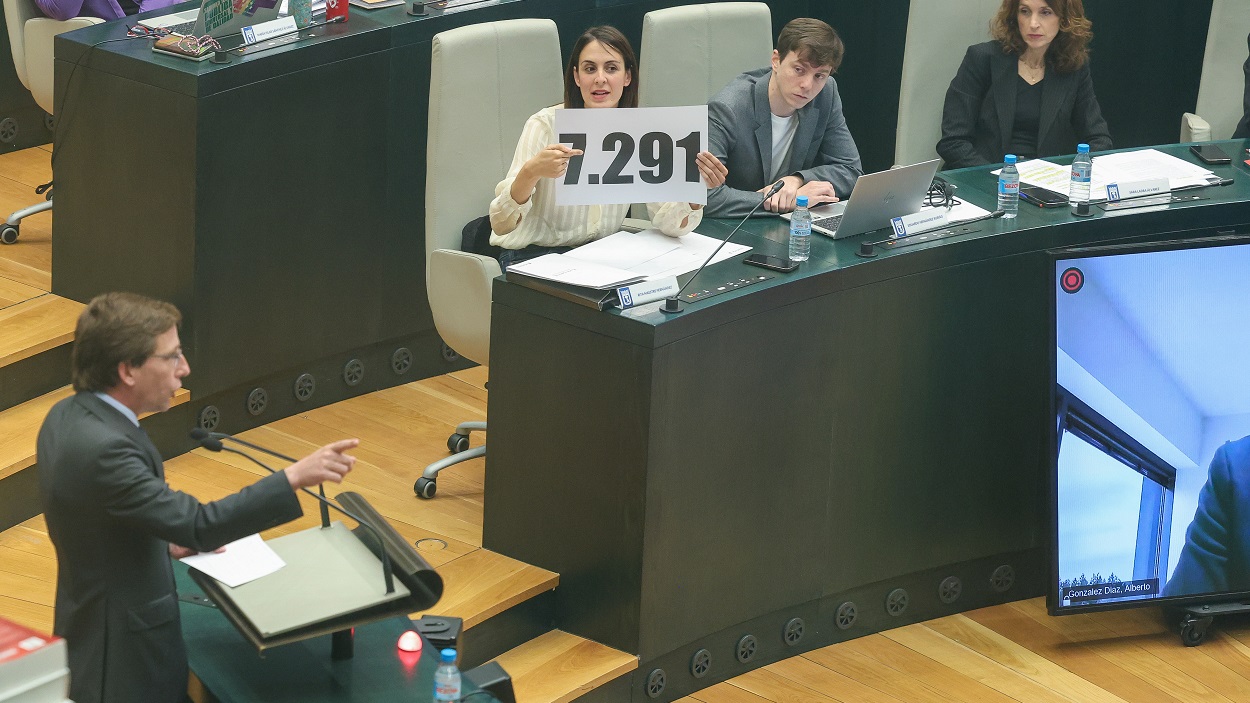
[[689, 53], [1222, 85], [930, 60], [469, 146], [30, 37]]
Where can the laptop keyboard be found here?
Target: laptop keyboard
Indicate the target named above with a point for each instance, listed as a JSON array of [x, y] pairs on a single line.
[[829, 223], [184, 28]]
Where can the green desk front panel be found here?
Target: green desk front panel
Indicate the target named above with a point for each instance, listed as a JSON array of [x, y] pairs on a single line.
[[819, 439]]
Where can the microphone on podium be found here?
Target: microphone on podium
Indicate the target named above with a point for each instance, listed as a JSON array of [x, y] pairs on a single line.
[[672, 304], [212, 441]]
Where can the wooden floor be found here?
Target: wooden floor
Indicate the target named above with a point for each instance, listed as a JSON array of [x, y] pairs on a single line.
[[1014, 652]]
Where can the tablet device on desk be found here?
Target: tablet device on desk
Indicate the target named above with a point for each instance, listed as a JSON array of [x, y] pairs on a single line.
[[877, 199], [184, 47]]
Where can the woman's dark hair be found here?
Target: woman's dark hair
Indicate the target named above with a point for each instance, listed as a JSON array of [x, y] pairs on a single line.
[[611, 38], [1068, 52]]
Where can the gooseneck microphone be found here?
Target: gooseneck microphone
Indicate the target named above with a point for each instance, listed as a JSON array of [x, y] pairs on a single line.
[[201, 435], [212, 441], [672, 304]]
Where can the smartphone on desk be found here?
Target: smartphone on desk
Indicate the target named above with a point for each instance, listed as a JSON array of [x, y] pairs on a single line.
[[1042, 197], [774, 263], [1211, 154]]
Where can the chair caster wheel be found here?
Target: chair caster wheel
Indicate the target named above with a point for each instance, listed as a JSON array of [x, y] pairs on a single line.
[[8, 234], [457, 443], [425, 488], [1194, 630]]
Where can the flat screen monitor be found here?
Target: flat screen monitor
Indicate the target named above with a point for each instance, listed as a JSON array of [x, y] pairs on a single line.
[[1151, 424]]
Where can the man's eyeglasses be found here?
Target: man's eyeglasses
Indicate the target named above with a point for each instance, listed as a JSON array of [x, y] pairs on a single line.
[[173, 356]]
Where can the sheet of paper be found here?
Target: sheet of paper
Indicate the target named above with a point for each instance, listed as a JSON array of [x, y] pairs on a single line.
[[961, 212], [1043, 174], [625, 250], [568, 269], [694, 250], [244, 560], [1145, 164]]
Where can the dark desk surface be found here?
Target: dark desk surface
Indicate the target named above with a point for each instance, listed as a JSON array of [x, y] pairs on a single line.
[[303, 672], [1034, 229]]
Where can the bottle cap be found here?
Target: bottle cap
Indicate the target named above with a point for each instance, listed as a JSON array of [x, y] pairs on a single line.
[[1082, 148], [448, 656], [1009, 159], [801, 201]]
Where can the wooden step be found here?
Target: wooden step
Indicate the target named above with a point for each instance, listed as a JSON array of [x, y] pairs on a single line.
[[19, 428], [482, 584], [30, 260], [559, 667], [13, 292], [28, 167], [36, 325]]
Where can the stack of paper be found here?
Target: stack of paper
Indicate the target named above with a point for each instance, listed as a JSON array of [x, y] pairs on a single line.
[[1145, 164], [1123, 167], [627, 257]]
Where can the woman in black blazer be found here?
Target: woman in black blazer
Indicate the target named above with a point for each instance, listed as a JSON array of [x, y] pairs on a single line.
[[1028, 92]]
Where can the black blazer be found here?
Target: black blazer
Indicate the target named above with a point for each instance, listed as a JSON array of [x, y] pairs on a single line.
[[980, 110], [111, 517]]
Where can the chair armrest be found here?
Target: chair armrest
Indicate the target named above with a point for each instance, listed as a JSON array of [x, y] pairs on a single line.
[[1194, 128], [38, 35], [459, 288]]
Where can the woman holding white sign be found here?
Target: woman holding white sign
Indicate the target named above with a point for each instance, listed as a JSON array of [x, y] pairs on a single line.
[[524, 218]]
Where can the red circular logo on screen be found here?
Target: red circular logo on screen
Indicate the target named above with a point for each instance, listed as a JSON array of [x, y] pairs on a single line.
[[1071, 280]]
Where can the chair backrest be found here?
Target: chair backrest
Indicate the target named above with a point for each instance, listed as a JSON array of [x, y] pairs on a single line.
[[16, 12], [39, 39], [31, 39], [938, 35], [1223, 82], [470, 141], [689, 53], [471, 138]]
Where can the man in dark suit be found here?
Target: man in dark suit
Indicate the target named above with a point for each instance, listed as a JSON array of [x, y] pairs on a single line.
[[1216, 555], [114, 521], [784, 122]]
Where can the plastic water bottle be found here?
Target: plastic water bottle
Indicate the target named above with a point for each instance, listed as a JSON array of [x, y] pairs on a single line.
[[447, 678], [800, 231], [1009, 187], [1078, 188]]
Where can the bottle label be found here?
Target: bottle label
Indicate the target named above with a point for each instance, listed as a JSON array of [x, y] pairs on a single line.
[[1008, 188]]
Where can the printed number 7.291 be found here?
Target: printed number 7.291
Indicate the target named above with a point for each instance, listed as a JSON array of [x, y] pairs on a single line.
[[655, 154]]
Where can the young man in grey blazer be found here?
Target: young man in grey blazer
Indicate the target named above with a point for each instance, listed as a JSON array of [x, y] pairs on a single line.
[[114, 521], [784, 122]]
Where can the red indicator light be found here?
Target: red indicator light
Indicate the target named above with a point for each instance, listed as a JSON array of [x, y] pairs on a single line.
[[410, 642]]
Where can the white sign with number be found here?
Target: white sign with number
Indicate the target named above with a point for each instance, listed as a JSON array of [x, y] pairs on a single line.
[[632, 155]]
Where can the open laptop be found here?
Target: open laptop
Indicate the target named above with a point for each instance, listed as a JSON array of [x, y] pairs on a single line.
[[877, 199], [216, 18]]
